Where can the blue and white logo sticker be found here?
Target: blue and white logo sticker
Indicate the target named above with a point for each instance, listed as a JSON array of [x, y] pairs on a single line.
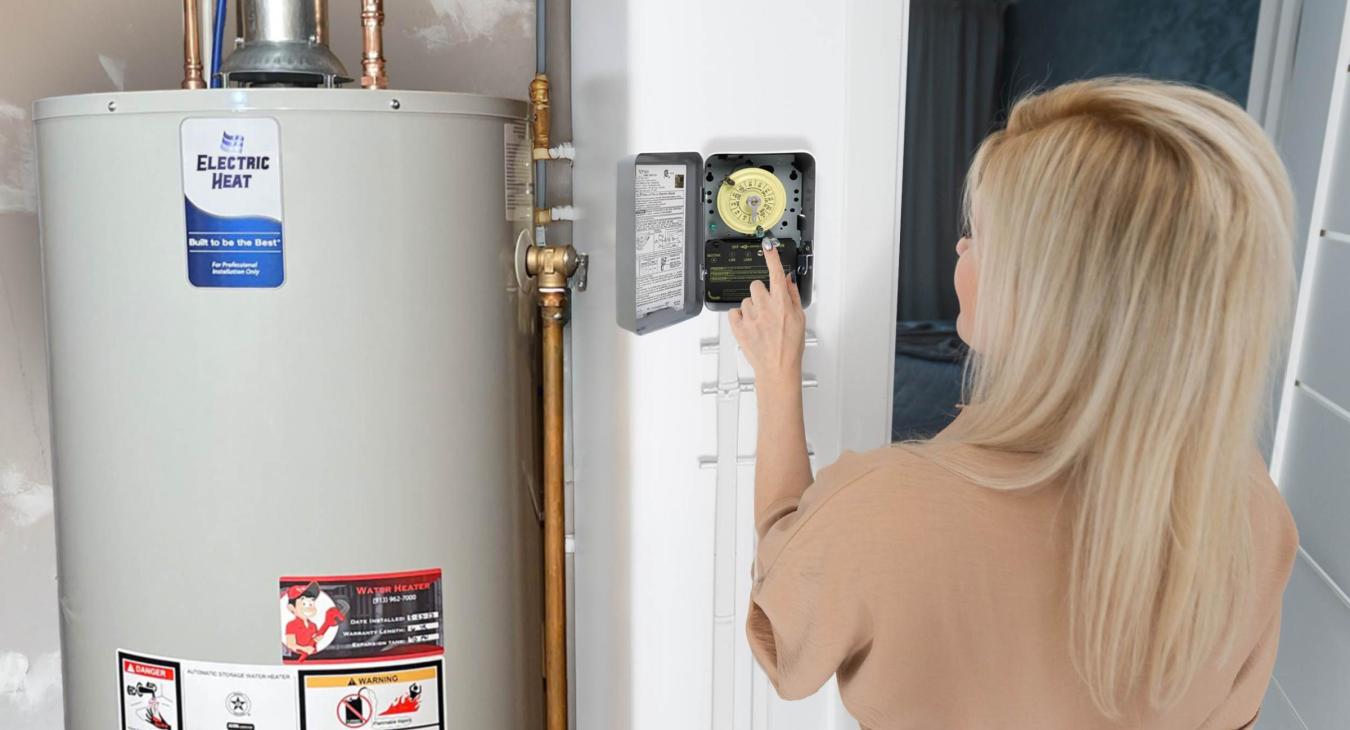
[[232, 200]]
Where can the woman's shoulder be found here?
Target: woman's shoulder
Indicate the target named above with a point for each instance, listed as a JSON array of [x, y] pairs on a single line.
[[894, 485], [858, 510], [842, 487], [853, 466], [891, 470], [906, 458], [899, 512], [1274, 534], [924, 471]]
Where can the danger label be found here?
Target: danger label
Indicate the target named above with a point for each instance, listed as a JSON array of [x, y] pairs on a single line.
[[361, 618], [151, 694], [394, 697]]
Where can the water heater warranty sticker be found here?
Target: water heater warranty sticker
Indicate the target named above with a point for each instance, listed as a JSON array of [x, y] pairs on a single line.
[[360, 618], [232, 201]]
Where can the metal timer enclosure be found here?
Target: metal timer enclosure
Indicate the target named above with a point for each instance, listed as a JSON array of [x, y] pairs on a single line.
[[690, 231]]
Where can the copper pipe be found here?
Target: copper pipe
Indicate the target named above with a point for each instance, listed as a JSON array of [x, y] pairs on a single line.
[[192, 47], [372, 41], [539, 103], [551, 306], [321, 21], [553, 265]]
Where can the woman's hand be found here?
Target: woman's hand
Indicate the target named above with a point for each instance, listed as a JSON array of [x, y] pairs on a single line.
[[771, 326]]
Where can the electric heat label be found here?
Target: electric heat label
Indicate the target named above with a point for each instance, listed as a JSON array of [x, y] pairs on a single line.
[[232, 201], [361, 618]]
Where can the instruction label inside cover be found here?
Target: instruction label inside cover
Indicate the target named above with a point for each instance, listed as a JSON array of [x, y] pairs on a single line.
[[232, 199], [158, 693], [519, 196], [659, 199], [359, 618]]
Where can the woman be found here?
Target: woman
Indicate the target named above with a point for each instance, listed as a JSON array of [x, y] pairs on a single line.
[[1094, 542]]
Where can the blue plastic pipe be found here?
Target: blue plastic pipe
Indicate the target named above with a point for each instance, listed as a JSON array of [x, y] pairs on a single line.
[[217, 42]]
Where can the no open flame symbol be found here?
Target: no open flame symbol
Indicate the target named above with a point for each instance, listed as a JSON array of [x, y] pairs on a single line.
[[356, 710]]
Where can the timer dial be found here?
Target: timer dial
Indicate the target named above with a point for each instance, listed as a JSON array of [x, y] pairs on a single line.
[[751, 200]]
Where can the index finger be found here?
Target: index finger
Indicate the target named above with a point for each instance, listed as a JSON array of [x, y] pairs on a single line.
[[777, 279]]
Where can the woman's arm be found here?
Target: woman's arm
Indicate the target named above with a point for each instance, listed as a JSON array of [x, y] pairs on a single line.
[[804, 621], [782, 468], [771, 329]]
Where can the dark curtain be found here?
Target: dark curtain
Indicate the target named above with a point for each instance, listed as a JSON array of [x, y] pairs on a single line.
[[955, 58]]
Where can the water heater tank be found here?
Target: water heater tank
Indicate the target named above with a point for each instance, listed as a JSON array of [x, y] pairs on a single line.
[[286, 354]]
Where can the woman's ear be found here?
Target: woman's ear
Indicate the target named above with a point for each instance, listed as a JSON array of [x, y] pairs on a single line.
[[965, 279]]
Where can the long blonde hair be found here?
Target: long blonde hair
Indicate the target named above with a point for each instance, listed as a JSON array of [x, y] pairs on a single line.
[[1133, 239]]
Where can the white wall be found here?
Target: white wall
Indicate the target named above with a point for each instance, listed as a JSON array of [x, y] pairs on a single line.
[[710, 76], [56, 47]]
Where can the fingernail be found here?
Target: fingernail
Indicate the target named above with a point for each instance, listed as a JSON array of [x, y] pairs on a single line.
[[769, 243]]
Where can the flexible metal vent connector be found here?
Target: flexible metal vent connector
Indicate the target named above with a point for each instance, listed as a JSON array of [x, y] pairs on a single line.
[[284, 43]]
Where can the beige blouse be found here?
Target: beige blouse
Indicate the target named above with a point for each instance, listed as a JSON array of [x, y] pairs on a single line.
[[939, 603]]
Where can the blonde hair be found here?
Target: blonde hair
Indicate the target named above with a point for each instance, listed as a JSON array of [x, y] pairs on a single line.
[[1133, 239]]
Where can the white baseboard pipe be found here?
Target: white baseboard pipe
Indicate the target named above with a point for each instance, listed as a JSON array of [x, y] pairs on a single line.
[[724, 531]]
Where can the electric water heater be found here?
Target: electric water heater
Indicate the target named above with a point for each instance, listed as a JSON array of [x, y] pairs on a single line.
[[287, 352]]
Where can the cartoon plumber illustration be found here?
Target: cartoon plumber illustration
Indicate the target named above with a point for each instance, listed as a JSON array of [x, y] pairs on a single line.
[[301, 635]]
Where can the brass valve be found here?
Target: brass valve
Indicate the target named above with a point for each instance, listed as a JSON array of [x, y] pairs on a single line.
[[552, 265], [539, 102]]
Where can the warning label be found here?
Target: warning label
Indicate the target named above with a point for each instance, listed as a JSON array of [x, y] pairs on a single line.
[[359, 618], [404, 697], [151, 693]]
